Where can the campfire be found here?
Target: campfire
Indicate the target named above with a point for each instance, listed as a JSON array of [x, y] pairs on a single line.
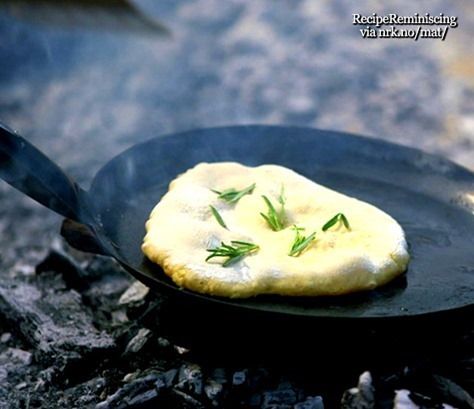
[[78, 331], [137, 93]]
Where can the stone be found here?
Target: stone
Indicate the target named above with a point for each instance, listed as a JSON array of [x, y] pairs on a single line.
[[135, 293]]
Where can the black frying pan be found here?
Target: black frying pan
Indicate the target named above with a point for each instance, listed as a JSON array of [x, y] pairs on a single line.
[[432, 198]]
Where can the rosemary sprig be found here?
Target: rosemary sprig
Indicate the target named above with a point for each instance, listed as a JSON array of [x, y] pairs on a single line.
[[276, 220], [218, 217], [301, 242], [234, 252], [337, 218], [232, 195]]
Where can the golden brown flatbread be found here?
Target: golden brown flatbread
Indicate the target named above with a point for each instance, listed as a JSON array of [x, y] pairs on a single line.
[[338, 261]]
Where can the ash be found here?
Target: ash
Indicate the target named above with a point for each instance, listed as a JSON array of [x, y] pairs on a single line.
[[77, 331]]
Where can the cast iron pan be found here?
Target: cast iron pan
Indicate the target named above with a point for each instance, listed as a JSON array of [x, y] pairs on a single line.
[[432, 198]]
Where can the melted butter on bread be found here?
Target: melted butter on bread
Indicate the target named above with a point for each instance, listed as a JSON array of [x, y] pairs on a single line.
[[339, 261]]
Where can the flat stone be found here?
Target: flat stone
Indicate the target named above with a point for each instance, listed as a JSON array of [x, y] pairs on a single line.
[[135, 293]]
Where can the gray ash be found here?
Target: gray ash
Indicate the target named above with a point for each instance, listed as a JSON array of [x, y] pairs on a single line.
[[77, 331]]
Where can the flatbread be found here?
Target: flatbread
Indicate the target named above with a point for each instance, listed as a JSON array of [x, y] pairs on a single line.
[[339, 261]]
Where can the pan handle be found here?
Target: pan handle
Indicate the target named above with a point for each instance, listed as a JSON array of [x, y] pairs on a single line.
[[27, 169]]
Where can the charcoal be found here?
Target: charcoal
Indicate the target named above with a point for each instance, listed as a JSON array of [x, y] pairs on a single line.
[[311, 402], [453, 393], [53, 321], [214, 392], [163, 343], [180, 350], [137, 343], [190, 379], [185, 401], [73, 274], [134, 392], [215, 387], [239, 378], [3, 373], [15, 355], [100, 266], [166, 379], [402, 400], [424, 401], [26, 261], [284, 396], [219, 375], [143, 398], [361, 397]]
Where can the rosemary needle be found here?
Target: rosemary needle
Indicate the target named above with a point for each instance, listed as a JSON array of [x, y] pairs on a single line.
[[232, 195], [276, 220], [234, 252], [218, 217], [337, 218], [301, 242]]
